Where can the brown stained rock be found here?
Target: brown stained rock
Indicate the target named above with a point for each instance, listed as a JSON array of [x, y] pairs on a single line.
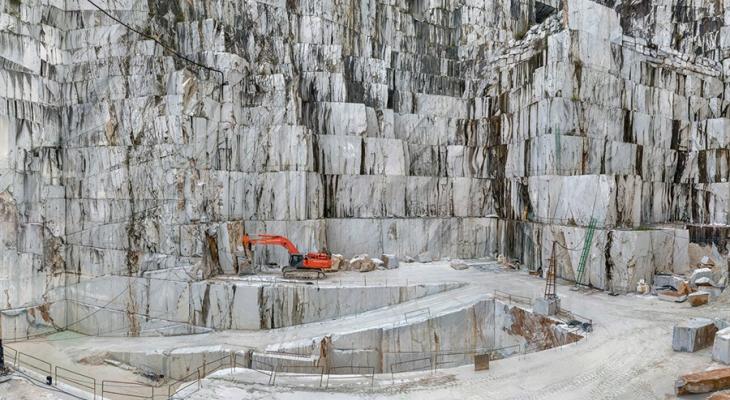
[[719, 396], [362, 263], [670, 295], [538, 330], [683, 288], [703, 382], [698, 298], [338, 263], [45, 313]]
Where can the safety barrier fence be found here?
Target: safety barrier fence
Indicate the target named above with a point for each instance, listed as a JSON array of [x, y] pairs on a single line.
[[34, 364], [73, 378], [113, 390], [183, 383], [576, 321], [48, 374], [414, 361], [512, 298], [268, 369], [422, 312], [347, 372], [402, 366]]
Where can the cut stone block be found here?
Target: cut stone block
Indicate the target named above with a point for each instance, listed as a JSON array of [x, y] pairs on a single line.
[[458, 264], [703, 382], [670, 295], [667, 281], [704, 281], [391, 261], [713, 291], [721, 347], [698, 298], [700, 273], [693, 335], [481, 362], [543, 306], [245, 266]]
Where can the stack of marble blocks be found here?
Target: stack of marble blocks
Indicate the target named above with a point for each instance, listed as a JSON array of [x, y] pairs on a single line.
[[424, 129]]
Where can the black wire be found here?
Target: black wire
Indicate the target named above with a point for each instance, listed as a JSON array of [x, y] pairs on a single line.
[[164, 46]]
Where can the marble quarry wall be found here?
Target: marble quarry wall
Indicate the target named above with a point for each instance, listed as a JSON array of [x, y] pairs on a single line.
[[424, 128], [449, 339]]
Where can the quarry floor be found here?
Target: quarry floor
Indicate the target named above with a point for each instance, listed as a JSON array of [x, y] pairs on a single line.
[[627, 356]]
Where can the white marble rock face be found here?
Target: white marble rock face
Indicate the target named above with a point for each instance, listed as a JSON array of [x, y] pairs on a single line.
[[429, 130]]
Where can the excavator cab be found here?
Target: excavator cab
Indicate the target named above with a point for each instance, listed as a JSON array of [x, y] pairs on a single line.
[[296, 260]]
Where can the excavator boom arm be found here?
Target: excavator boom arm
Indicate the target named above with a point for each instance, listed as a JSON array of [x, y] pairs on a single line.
[[272, 240]]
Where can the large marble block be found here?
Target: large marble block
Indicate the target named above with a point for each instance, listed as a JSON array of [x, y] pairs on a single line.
[[693, 335]]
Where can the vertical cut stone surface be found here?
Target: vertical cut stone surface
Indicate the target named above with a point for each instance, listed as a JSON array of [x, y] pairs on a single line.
[[721, 346], [423, 129], [693, 335]]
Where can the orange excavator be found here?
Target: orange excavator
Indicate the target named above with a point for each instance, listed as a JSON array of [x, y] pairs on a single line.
[[308, 266]]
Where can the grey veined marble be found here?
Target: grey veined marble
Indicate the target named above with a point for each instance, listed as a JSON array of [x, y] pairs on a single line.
[[422, 129]]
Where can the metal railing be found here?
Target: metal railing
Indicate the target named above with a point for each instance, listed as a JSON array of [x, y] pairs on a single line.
[[370, 374], [14, 358], [576, 321], [451, 359], [184, 382], [292, 369], [270, 372], [34, 363], [74, 378], [512, 298], [421, 312], [397, 365], [133, 390], [205, 367]]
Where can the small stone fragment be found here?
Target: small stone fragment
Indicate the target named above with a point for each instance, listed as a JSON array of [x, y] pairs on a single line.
[[338, 262], [704, 281], [458, 264], [700, 273], [683, 288], [698, 298], [362, 263]]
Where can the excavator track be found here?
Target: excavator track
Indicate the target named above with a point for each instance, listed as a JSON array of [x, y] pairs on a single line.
[[304, 274]]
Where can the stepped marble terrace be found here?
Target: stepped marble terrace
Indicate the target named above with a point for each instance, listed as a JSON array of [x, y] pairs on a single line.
[[462, 161]]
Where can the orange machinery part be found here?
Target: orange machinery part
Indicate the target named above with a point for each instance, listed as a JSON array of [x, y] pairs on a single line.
[[311, 260]]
